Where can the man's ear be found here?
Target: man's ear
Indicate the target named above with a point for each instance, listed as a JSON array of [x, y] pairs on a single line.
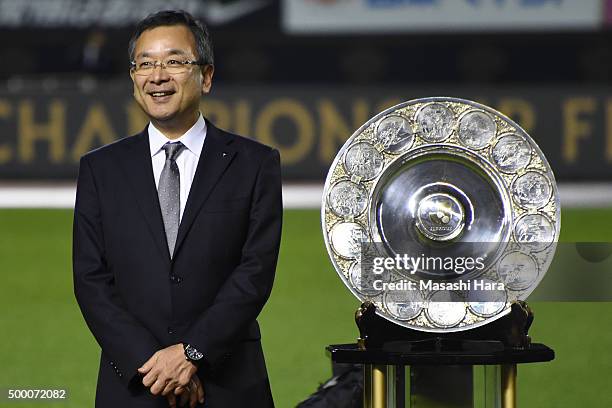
[[207, 76], [134, 91]]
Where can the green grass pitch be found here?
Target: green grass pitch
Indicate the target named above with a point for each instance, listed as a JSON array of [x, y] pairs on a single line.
[[45, 342]]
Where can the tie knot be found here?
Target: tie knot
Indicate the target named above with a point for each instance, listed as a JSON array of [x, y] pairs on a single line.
[[172, 150]]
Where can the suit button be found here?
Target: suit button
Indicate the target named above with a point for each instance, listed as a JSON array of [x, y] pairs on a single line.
[[175, 279], [170, 330]]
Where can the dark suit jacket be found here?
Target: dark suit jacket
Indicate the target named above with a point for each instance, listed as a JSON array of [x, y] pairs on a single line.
[[137, 300]]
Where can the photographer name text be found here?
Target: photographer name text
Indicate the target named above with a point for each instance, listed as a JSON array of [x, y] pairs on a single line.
[[430, 285]]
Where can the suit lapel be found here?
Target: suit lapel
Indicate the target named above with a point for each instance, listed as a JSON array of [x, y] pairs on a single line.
[[217, 154], [136, 161]]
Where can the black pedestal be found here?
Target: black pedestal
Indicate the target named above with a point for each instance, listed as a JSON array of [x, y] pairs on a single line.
[[426, 378], [405, 368]]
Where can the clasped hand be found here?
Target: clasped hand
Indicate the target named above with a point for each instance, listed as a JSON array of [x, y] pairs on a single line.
[[168, 373]]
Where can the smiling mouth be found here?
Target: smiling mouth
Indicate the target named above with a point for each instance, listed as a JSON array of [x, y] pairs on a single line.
[[160, 94]]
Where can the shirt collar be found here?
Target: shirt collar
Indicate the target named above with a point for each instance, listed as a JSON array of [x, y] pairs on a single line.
[[193, 139]]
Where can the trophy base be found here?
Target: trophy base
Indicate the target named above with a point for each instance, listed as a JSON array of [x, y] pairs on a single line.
[[404, 368], [510, 330]]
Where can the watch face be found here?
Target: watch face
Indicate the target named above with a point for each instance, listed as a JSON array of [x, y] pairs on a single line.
[[192, 353]]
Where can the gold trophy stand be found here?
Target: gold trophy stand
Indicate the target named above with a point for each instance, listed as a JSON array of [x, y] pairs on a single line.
[[404, 368]]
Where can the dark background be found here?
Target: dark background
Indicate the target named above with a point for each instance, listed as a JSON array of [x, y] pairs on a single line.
[[556, 84]]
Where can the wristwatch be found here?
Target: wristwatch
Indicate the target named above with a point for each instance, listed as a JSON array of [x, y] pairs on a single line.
[[192, 354]]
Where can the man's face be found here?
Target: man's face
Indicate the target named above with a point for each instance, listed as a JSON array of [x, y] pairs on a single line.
[[172, 99]]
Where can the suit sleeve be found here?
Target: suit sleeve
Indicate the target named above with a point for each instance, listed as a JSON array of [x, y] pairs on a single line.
[[248, 287], [122, 338]]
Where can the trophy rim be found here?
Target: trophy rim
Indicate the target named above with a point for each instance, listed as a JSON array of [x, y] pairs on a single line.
[[483, 151]]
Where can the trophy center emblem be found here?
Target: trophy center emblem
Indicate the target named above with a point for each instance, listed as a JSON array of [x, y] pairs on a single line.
[[440, 217]]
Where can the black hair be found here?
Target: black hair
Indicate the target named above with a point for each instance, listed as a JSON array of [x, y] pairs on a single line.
[[171, 18]]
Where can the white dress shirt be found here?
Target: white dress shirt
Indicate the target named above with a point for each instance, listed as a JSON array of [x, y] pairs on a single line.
[[187, 160]]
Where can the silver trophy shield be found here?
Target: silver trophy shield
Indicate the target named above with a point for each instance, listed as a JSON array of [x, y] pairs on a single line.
[[442, 212]]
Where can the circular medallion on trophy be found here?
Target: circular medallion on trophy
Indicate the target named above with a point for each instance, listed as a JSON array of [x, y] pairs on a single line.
[[442, 212]]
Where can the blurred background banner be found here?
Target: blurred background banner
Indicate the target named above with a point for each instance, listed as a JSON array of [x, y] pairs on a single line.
[[45, 133], [343, 16], [114, 13]]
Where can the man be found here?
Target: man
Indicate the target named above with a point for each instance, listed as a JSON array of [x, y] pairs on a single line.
[[176, 237]]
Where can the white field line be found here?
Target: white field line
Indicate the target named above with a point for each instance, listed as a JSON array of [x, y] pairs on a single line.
[[298, 196]]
